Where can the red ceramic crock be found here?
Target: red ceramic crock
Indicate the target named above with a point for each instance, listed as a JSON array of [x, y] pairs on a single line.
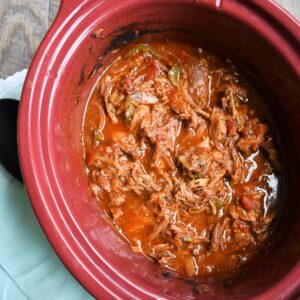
[[258, 35]]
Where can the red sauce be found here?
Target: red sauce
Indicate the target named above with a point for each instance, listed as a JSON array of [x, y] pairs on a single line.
[[180, 155]]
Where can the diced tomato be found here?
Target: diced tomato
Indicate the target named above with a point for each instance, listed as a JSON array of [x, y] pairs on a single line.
[[247, 202], [231, 126]]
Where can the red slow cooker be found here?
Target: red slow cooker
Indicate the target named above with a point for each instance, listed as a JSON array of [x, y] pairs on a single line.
[[260, 37]]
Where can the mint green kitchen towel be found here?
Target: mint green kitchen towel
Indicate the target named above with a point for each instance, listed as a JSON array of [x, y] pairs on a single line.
[[29, 267]]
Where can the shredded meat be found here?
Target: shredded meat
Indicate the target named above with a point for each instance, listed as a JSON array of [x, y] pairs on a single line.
[[143, 97], [219, 125], [161, 128], [185, 195], [221, 235], [127, 143], [140, 181], [105, 91], [196, 74], [252, 136], [184, 111], [181, 159], [138, 116]]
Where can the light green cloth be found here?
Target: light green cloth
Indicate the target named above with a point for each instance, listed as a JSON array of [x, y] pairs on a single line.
[[29, 267]]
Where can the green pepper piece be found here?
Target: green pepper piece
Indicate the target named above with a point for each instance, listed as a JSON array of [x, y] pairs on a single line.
[[98, 136], [187, 239], [174, 74], [194, 176], [219, 204], [143, 48], [130, 106]]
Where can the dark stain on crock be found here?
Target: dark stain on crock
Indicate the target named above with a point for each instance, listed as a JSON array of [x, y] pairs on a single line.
[[121, 36], [193, 283], [81, 81], [95, 68], [126, 37]]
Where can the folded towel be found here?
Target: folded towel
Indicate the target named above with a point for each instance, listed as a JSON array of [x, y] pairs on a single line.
[[29, 267]]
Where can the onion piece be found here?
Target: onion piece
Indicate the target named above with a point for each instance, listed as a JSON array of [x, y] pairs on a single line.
[[191, 265]]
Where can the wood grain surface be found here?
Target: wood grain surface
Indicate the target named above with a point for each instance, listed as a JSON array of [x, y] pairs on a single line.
[[23, 23]]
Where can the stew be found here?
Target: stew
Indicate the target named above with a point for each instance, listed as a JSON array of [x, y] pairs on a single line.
[[180, 154]]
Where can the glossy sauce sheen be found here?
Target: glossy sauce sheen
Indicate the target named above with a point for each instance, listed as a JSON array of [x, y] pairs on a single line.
[[180, 156]]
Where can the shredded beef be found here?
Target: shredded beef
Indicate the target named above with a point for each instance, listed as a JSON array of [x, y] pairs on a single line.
[[181, 158]]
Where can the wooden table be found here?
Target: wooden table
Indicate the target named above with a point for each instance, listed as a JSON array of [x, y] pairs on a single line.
[[23, 23]]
